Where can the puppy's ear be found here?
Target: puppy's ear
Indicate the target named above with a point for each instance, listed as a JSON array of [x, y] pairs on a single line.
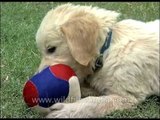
[[81, 34]]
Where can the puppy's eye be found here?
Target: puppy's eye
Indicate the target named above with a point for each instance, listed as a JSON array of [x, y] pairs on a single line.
[[51, 50]]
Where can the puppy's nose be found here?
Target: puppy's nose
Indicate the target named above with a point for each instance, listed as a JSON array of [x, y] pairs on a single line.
[[98, 63]]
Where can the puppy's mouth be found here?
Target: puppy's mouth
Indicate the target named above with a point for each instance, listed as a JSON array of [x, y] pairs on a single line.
[[41, 69]]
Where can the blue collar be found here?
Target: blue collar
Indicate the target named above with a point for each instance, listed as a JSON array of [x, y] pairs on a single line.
[[99, 60], [106, 43]]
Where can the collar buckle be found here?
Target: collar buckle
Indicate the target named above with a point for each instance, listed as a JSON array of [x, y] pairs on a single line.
[[99, 62]]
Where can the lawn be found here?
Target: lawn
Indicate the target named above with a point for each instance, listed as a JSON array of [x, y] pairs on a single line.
[[20, 57]]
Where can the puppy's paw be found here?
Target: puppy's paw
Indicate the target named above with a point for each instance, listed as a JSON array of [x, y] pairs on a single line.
[[70, 110], [57, 106], [61, 110]]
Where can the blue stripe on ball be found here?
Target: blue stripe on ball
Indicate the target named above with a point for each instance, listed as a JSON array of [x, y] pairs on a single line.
[[50, 88]]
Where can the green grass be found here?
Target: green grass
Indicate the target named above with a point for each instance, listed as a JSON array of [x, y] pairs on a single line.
[[20, 57]]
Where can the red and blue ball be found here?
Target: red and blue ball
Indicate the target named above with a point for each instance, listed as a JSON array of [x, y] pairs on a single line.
[[48, 86]]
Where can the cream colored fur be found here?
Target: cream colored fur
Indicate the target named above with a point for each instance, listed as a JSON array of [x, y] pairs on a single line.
[[131, 65]]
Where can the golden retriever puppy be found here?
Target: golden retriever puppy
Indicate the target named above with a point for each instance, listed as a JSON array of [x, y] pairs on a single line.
[[118, 77]]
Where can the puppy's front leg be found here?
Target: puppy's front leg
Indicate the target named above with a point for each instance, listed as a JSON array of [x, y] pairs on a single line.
[[91, 107]]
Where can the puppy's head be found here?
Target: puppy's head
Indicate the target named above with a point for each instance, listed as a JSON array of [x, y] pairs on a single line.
[[73, 35]]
